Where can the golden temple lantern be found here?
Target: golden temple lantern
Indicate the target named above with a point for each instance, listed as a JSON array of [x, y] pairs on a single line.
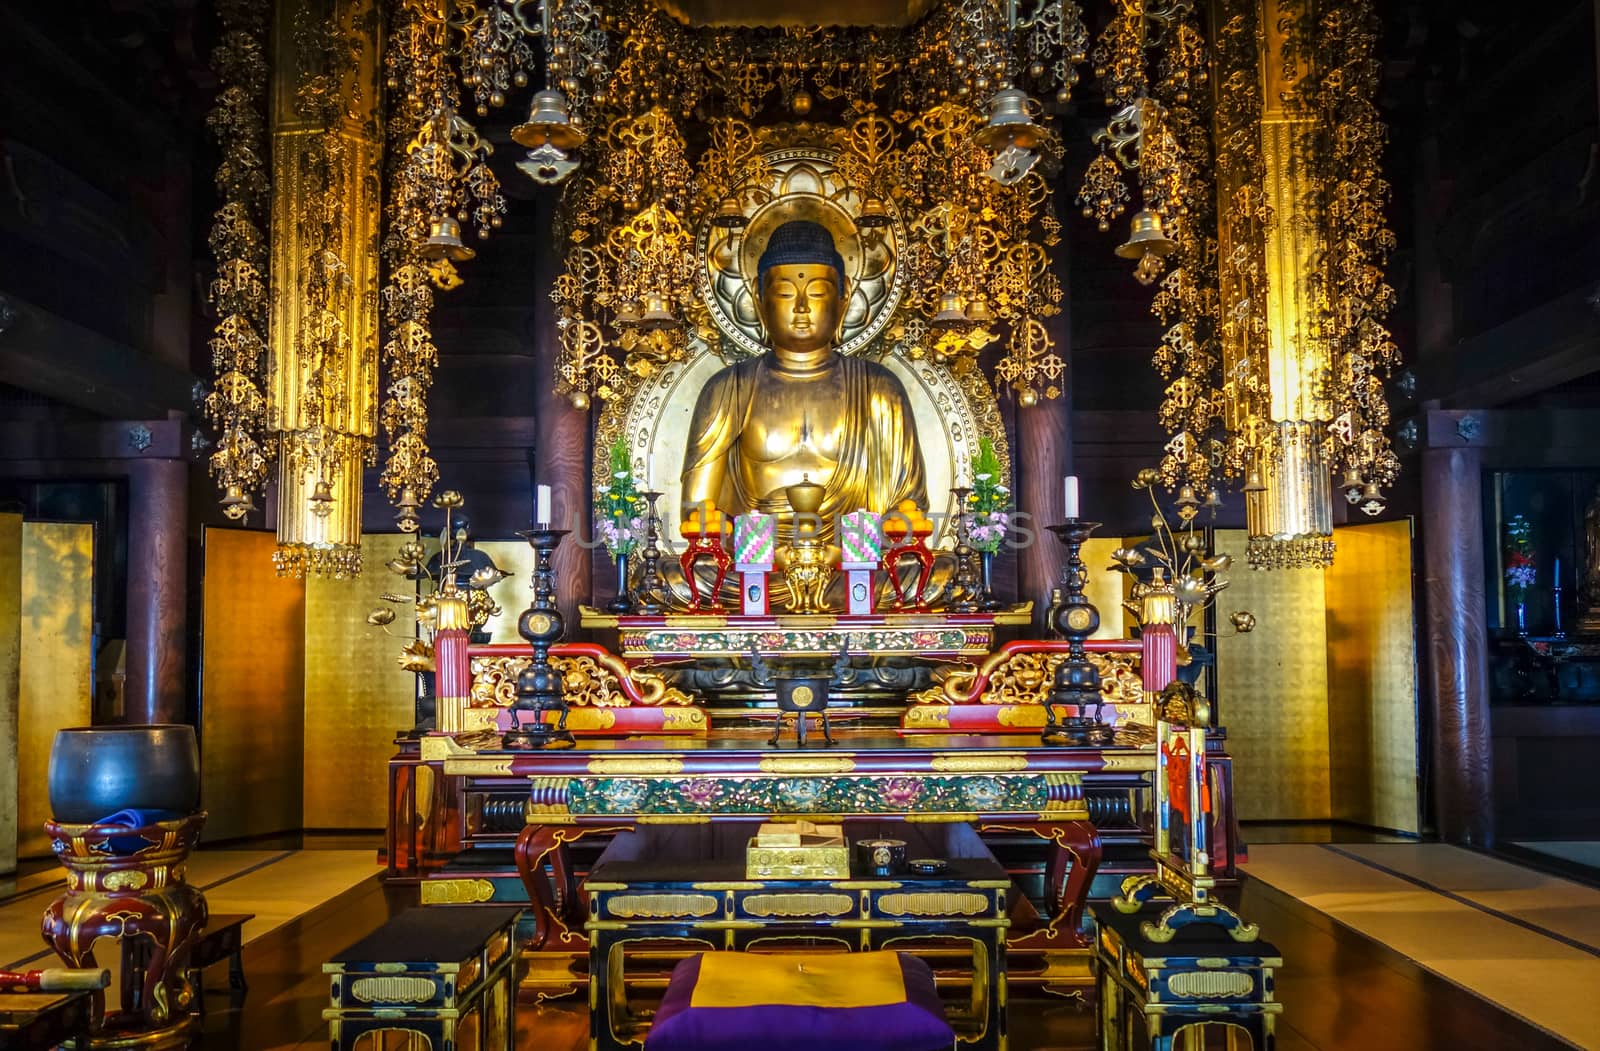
[[729, 215], [1147, 238], [874, 214], [549, 123], [444, 242], [1009, 123], [950, 316]]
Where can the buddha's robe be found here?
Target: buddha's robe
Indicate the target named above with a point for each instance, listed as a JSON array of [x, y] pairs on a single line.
[[848, 427]]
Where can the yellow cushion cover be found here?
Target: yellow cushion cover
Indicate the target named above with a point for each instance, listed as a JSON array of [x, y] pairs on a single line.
[[862, 979]]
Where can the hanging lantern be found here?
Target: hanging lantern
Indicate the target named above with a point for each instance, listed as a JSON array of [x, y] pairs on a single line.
[[444, 242], [658, 315], [874, 214], [1009, 123], [950, 316], [1147, 238], [549, 123], [729, 215]]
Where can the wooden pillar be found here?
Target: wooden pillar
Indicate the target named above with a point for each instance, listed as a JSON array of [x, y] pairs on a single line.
[[561, 449], [1042, 454], [1457, 640], [158, 553]]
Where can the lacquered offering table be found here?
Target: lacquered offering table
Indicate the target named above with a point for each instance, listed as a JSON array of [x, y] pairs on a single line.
[[691, 885], [997, 784]]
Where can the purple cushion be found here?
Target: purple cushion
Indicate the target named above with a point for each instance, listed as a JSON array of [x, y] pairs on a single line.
[[898, 1008]]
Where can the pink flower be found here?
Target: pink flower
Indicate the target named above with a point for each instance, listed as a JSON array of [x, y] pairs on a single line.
[[701, 791], [901, 792]]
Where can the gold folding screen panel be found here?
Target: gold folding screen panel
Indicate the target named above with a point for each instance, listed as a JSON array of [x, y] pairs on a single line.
[[1372, 677], [357, 695], [56, 686], [1320, 700], [252, 688]]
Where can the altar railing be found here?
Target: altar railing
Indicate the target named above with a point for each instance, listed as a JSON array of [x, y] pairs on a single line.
[[1001, 691]]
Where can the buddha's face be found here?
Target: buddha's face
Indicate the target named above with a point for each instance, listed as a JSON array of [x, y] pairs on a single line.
[[800, 307]]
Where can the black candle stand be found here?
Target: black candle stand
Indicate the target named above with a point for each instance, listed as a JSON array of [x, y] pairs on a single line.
[[539, 687], [1077, 682], [963, 583]]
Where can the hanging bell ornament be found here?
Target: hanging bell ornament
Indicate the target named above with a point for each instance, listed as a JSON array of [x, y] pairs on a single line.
[[1187, 497], [1352, 486], [406, 511], [1009, 123], [950, 316], [1028, 398], [1147, 238], [1372, 501], [233, 502], [1253, 482], [1213, 500], [729, 216], [322, 499], [874, 214], [579, 400], [627, 313], [978, 311], [658, 314], [549, 122], [444, 242]]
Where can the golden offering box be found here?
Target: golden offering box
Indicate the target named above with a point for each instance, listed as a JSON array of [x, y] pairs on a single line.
[[797, 850]]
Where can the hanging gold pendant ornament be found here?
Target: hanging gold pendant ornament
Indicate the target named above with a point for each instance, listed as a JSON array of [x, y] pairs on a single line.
[[322, 372], [235, 404]]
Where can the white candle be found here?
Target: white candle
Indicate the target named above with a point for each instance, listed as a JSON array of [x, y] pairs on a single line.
[[542, 514], [649, 470], [1070, 497]]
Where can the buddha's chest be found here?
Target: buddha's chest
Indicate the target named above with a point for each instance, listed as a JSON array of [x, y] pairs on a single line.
[[791, 418]]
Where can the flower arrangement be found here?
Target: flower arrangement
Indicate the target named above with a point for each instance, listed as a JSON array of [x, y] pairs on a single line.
[[619, 512], [1520, 565], [989, 503]]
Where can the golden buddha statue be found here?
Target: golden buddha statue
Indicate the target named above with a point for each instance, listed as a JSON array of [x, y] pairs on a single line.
[[803, 410]]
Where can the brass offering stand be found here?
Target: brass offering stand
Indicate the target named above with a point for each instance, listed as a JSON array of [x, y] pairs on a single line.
[[652, 588], [963, 587], [1077, 682], [539, 687], [808, 572]]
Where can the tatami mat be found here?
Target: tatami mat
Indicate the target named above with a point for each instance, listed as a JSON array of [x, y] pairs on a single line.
[[276, 885], [1519, 939]]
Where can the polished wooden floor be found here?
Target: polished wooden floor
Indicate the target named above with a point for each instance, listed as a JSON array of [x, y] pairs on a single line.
[[1340, 990]]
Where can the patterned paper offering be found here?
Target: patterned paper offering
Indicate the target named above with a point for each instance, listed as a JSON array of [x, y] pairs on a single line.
[[860, 538], [755, 539]]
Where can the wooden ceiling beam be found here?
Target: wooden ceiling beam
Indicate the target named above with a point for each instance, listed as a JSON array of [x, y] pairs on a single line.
[[60, 359]]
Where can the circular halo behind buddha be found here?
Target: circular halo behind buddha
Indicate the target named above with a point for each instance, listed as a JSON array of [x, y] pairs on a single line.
[[800, 182]]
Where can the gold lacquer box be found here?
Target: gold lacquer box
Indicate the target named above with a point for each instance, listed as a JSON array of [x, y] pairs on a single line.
[[797, 850]]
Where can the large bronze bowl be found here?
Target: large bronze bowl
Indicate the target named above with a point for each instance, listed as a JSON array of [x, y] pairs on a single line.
[[96, 771]]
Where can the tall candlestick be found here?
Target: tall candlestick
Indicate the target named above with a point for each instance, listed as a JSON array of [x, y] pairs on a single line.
[[1070, 497], [542, 511]]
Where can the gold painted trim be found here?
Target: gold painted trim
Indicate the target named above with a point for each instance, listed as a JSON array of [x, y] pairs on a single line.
[[980, 764], [1144, 760], [456, 891], [794, 905], [942, 819], [808, 764], [477, 767], [727, 885], [867, 884], [672, 819], [934, 903], [643, 767], [661, 906]]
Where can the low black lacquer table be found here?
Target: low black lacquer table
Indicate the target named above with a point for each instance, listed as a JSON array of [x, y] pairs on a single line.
[[687, 884]]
